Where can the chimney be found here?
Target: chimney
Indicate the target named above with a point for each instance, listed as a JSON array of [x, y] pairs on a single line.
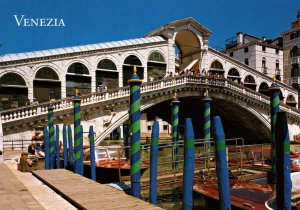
[[240, 39]]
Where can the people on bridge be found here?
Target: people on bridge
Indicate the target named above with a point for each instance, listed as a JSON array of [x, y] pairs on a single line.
[[35, 102], [25, 163]]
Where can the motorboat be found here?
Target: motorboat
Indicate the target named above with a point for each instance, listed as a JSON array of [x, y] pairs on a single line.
[[111, 164]]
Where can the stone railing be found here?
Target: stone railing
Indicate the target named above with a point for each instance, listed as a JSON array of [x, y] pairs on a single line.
[[98, 97]]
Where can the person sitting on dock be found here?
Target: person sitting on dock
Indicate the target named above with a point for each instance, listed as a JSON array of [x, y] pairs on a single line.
[[31, 149], [25, 162]]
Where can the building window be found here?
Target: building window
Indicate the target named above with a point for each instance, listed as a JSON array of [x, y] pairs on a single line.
[[294, 51], [165, 127], [277, 64], [149, 127], [277, 51], [246, 61], [231, 54], [263, 62], [246, 49], [263, 48]]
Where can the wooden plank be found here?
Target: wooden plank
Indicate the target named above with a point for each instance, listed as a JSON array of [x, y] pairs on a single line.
[[87, 194]]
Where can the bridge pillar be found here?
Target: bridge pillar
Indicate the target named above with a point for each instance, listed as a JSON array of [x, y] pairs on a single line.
[[274, 103], [207, 126], [175, 121], [135, 117]]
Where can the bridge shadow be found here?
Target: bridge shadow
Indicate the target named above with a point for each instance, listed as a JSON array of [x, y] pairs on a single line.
[[237, 121]]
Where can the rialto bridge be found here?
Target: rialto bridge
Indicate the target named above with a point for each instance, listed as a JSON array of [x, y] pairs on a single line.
[[240, 93]]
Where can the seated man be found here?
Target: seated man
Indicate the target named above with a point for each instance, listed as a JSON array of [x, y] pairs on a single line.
[[25, 162]]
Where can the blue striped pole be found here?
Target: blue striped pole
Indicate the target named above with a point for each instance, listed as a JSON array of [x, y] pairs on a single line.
[[221, 164], [274, 103], [51, 136], [81, 151], [153, 162], [92, 152], [65, 145], [189, 159], [175, 121], [135, 116], [71, 154], [77, 133], [283, 165], [46, 143], [57, 150], [207, 125], [126, 139]]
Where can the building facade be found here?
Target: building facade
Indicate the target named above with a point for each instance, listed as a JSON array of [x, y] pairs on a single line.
[[262, 54]]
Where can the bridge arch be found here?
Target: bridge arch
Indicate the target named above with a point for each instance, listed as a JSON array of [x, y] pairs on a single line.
[[234, 75], [129, 62], [216, 67], [107, 74], [13, 90], [46, 84], [189, 45], [264, 89], [156, 65], [250, 82], [78, 77]]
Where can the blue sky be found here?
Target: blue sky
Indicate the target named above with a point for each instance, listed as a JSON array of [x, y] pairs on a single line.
[[95, 21]]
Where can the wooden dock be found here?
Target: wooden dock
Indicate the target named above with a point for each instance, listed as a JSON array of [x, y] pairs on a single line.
[[84, 193]]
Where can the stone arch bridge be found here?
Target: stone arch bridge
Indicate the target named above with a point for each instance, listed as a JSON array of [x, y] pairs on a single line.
[[244, 112]]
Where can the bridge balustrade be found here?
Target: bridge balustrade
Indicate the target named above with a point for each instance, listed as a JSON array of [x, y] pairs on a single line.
[[64, 104]]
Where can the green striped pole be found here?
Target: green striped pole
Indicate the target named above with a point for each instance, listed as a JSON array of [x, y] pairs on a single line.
[[77, 133], [274, 102], [135, 116], [51, 136], [207, 126], [175, 121]]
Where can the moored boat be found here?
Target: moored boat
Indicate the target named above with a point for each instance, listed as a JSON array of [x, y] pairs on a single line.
[[244, 194], [111, 164]]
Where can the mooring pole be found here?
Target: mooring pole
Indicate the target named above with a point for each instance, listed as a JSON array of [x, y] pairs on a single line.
[[65, 146], [92, 153], [153, 162], [283, 165], [126, 139], [135, 116], [175, 121], [81, 151], [51, 136], [71, 154], [221, 164], [274, 102], [188, 168], [46, 144], [57, 149], [77, 133], [207, 126]]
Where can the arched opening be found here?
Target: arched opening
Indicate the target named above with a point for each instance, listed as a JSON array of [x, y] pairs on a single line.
[[13, 91], [156, 66], [107, 75], [46, 85], [264, 89], [294, 51], [77, 78], [249, 82], [129, 62], [234, 75], [187, 49], [290, 100], [216, 69]]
